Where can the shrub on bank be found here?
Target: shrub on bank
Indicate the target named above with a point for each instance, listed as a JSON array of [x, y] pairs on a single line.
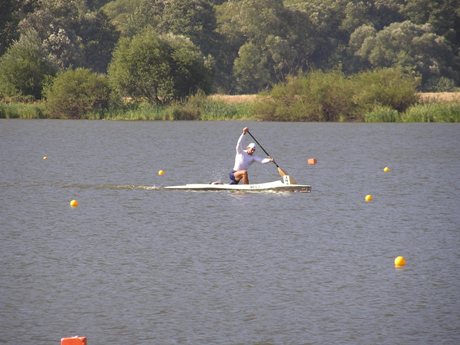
[[317, 96], [74, 93], [382, 114], [386, 87], [433, 112], [331, 96]]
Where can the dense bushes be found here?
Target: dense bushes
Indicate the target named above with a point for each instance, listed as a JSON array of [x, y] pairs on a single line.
[[75, 93], [385, 87], [315, 97], [332, 96]]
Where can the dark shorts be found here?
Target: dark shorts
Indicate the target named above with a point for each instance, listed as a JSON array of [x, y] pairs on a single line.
[[232, 177]]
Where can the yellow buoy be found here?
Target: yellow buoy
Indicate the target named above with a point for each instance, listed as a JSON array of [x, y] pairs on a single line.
[[368, 198], [400, 261], [161, 172], [45, 157], [73, 203], [386, 169]]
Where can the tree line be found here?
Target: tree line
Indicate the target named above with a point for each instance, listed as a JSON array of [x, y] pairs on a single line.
[[165, 50]]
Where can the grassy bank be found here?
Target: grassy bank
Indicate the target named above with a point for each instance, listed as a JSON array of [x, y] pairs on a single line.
[[196, 108], [207, 110], [432, 107], [432, 112], [22, 111]]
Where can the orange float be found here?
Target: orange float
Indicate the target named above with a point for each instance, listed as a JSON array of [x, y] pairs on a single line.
[[73, 341]]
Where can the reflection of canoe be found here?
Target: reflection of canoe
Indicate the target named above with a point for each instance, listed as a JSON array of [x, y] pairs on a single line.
[[275, 186]]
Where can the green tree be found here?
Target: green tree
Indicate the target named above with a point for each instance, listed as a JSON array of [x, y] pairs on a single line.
[[442, 15], [124, 14], [158, 68], [7, 24], [11, 13], [194, 19], [412, 47], [74, 93], [72, 35], [374, 12], [98, 39], [269, 41], [444, 18], [190, 69], [231, 40], [357, 62], [24, 67], [326, 17], [251, 69], [96, 4]]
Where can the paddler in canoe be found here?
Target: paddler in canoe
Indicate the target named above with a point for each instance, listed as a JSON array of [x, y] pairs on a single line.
[[244, 158]]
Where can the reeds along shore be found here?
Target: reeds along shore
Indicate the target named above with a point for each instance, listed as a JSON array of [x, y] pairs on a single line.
[[432, 107]]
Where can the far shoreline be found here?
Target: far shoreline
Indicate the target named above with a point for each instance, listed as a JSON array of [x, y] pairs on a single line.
[[438, 107]]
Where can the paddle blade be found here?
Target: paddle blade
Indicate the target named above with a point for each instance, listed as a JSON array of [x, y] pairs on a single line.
[[293, 180], [282, 172]]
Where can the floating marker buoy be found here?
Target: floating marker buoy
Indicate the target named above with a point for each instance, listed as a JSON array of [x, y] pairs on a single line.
[[368, 198], [45, 157], [386, 169], [400, 262], [311, 161], [73, 203], [73, 341], [161, 172]]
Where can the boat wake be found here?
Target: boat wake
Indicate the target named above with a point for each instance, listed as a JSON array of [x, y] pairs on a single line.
[[110, 186]]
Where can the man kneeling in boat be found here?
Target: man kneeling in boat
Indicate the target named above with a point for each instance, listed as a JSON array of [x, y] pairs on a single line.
[[243, 159]]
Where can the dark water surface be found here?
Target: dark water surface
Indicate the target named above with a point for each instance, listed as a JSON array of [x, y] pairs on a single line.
[[137, 265]]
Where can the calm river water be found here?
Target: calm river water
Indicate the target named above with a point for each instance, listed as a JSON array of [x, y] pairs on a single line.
[[138, 265]]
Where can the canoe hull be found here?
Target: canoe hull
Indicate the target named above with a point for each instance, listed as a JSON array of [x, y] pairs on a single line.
[[275, 186]]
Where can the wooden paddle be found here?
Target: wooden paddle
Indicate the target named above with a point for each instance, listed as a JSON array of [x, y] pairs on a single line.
[[281, 171]]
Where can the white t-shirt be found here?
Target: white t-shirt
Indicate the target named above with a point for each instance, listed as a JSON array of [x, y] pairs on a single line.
[[242, 159]]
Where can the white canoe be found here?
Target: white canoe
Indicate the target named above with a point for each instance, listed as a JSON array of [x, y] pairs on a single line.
[[275, 186]]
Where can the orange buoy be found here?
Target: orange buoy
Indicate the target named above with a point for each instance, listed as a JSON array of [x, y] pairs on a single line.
[[368, 198], [73, 341], [311, 161], [73, 203]]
